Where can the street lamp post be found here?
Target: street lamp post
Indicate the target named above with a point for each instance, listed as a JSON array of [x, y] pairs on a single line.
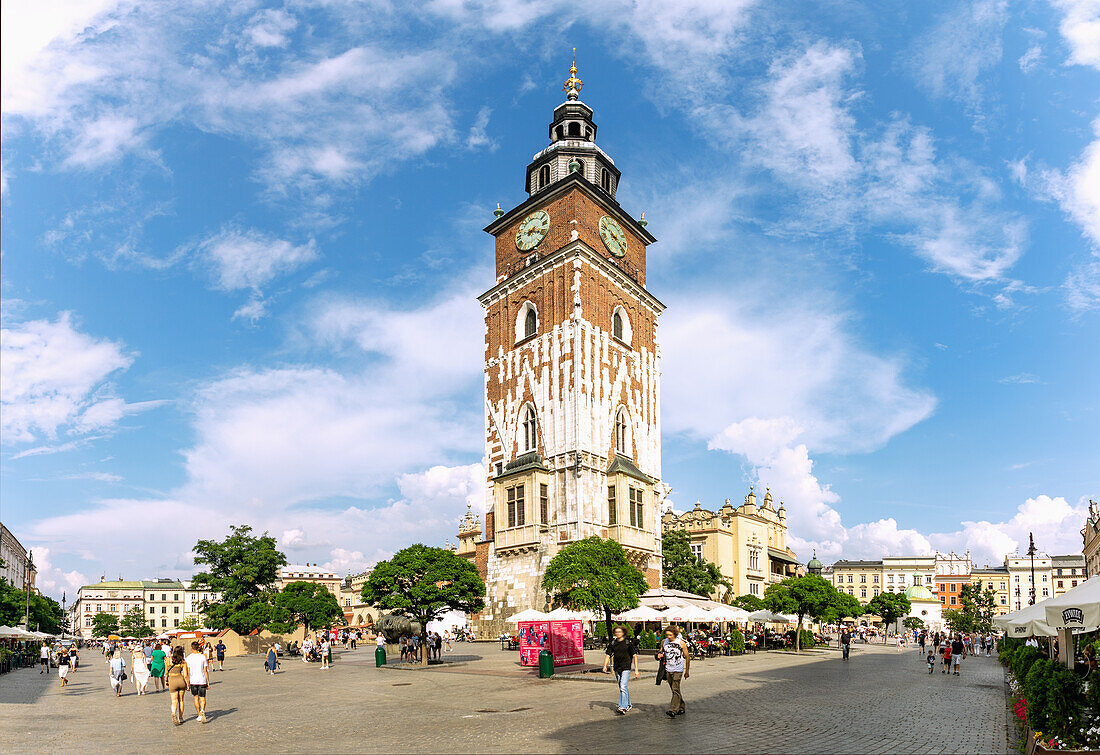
[[1031, 552]]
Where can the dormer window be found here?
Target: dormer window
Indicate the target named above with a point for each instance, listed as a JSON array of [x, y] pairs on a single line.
[[544, 176]]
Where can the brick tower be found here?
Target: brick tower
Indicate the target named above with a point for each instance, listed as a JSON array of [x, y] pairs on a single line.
[[572, 374]]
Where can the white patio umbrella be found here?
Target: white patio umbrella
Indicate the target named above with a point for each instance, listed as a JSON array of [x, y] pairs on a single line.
[[764, 616], [567, 614], [729, 613], [528, 615], [10, 633], [641, 613], [1029, 621], [687, 613], [1078, 608]]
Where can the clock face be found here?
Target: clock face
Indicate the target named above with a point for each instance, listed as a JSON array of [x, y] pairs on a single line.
[[613, 237], [532, 230]]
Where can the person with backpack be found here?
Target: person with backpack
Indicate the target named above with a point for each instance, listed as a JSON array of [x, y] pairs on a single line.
[[677, 663]]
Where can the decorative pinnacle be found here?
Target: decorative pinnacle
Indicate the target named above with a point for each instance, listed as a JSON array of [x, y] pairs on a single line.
[[643, 222], [573, 85], [498, 212]]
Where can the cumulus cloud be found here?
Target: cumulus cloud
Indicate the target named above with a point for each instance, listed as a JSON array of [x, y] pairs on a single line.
[[1080, 28], [54, 378], [249, 259]]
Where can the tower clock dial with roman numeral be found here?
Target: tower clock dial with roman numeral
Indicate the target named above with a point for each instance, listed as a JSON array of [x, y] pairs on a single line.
[[532, 230]]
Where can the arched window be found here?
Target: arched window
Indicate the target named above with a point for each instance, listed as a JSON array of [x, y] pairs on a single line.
[[605, 180], [561, 132], [528, 430], [574, 129], [617, 325], [527, 322], [620, 433], [544, 175], [530, 323], [620, 325]]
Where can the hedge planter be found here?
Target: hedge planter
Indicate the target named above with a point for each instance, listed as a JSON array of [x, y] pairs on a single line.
[[1034, 746]]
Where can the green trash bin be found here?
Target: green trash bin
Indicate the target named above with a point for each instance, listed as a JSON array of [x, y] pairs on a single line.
[[379, 656], [546, 664]]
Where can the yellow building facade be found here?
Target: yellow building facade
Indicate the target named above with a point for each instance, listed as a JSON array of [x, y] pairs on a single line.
[[860, 579], [994, 578], [747, 543]]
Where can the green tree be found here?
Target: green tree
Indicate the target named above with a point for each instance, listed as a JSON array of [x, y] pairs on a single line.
[[808, 595], [308, 604], [889, 606], [242, 568], [134, 624], [190, 624], [104, 624], [594, 575], [423, 583], [750, 603], [45, 612], [913, 622], [975, 612], [682, 570]]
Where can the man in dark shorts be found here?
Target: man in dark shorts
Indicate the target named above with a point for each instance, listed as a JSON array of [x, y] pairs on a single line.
[[197, 668], [219, 650]]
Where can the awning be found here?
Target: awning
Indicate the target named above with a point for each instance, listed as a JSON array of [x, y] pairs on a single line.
[[779, 555]]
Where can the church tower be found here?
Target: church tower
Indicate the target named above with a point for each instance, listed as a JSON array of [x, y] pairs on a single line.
[[572, 373]]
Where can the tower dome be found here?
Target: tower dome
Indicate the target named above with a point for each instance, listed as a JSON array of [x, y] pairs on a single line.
[[920, 594], [815, 566]]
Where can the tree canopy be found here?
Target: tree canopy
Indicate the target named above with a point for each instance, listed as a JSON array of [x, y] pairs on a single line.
[[750, 603], [104, 624], [889, 606], [682, 570], [306, 603], [423, 583], [975, 612], [845, 606], [45, 614], [594, 574], [134, 623], [808, 595], [243, 569]]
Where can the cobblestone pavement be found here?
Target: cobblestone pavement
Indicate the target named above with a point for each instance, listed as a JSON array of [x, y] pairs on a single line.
[[879, 702]]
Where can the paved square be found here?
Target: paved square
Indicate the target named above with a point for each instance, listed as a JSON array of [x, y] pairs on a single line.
[[879, 702]]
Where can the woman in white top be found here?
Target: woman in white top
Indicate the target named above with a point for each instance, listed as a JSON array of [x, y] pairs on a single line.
[[117, 664], [326, 651], [140, 669]]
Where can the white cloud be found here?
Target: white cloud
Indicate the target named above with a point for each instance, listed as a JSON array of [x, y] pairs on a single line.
[[1080, 28], [821, 382], [270, 28], [478, 136], [954, 58], [1030, 60], [1023, 378], [54, 581], [1055, 523], [54, 377], [249, 259]]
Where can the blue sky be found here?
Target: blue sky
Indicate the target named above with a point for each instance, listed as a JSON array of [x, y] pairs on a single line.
[[241, 246]]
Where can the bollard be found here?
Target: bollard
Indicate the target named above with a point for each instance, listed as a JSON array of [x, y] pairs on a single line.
[[546, 664], [379, 656]]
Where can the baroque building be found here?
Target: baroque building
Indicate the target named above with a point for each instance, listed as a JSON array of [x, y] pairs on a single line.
[[748, 543], [572, 374]]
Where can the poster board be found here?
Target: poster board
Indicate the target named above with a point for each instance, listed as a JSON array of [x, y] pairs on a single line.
[[565, 639]]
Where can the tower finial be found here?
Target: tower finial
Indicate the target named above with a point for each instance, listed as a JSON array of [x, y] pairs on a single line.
[[573, 85]]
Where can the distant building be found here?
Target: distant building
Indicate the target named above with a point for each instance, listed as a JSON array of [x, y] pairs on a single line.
[[311, 573], [1090, 535], [115, 597], [18, 565], [997, 579], [1021, 586], [860, 579], [748, 543], [165, 603], [1067, 572]]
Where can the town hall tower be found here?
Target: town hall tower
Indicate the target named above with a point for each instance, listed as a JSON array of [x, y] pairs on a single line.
[[572, 374]]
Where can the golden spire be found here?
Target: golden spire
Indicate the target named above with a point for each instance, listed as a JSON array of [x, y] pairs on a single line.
[[573, 85]]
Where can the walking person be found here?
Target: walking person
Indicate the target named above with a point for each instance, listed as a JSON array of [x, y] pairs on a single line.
[[845, 643], [272, 660], [958, 650], [946, 657], [156, 667], [43, 658], [197, 668], [447, 648], [438, 645], [140, 669], [117, 665], [219, 650], [176, 675], [63, 666], [677, 659], [623, 656], [326, 653], [74, 657]]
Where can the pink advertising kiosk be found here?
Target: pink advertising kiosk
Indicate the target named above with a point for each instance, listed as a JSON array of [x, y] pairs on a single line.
[[562, 637]]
